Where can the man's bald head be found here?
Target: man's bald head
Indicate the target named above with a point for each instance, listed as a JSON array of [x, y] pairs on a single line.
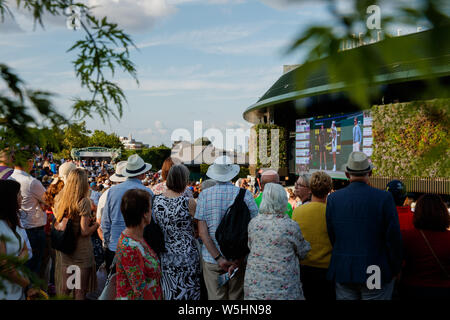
[[269, 176]]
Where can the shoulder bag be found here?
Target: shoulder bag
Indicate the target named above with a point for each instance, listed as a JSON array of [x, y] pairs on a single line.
[[63, 237]]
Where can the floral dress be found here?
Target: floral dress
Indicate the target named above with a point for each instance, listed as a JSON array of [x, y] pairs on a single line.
[[138, 271], [273, 270]]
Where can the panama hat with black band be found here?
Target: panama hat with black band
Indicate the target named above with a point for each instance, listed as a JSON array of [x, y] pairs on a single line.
[[358, 163], [135, 166]]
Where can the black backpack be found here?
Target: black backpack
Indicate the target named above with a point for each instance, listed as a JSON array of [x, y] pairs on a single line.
[[232, 233]]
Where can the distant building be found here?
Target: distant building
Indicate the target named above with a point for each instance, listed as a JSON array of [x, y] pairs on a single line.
[[194, 156], [130, 144]]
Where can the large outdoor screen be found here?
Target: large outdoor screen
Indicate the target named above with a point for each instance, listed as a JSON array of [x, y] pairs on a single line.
[[325, 142]]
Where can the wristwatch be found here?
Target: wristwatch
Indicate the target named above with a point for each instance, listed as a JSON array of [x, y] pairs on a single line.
[[218, 257]]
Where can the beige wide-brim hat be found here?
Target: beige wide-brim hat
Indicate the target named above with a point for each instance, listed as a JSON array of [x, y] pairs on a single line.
[[135, 166], [118, 175], [223, 169], [358, 162]]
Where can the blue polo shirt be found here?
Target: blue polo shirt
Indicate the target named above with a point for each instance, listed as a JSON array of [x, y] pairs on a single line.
[[112, 219]]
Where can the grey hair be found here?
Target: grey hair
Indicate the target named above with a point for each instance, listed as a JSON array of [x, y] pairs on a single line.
[[305, 178], [274, 199], [208, 184], [178, 178]]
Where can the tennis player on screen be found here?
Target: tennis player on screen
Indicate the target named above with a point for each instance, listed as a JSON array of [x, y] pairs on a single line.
[[322, 147], [357, 136], [334, 143]]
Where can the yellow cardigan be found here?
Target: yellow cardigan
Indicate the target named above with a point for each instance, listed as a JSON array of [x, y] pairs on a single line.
[[311, 219]]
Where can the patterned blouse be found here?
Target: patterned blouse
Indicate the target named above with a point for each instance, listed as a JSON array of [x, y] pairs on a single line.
[[138, 271], [273, 270]]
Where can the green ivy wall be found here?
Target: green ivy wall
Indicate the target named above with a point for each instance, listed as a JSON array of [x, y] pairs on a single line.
[[412, 139]]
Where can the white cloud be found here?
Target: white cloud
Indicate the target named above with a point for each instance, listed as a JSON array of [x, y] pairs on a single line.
[[155, 135], [25, 63], [288, 4], [147, 131], [207, 85], [160, 127], [177, 2], [130, 15], [10, 25], [200, 38], [265, 47], [136, 15], [139, 15], [244, 39]]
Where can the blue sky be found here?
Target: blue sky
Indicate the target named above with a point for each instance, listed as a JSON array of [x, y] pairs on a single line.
[[197, 61]]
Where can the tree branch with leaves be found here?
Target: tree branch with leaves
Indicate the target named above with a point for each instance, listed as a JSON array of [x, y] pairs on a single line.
[[29, 119], [104, 49]]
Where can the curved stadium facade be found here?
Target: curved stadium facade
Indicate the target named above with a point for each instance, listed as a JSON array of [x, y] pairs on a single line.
[[319, 97]]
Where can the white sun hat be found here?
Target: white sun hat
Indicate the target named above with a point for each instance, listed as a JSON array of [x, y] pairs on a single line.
[[223, 169], [118, 175], [135, 166]]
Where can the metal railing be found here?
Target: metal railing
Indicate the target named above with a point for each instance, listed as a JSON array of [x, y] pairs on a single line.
[[422, 185]]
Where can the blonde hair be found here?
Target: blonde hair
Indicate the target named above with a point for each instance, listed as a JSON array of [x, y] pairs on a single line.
[[75, 189]]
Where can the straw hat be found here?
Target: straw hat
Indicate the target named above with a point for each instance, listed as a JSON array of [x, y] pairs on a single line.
[[223, 169]]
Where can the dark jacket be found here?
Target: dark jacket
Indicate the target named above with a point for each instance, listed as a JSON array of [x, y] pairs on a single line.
[[364, 230]]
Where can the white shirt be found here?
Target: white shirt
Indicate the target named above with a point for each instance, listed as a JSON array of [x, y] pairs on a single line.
[[101, 204], [32, 190], [13, 248], [24, 236]]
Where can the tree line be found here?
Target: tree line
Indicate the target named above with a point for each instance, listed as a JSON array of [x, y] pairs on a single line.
[[60, 141]]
